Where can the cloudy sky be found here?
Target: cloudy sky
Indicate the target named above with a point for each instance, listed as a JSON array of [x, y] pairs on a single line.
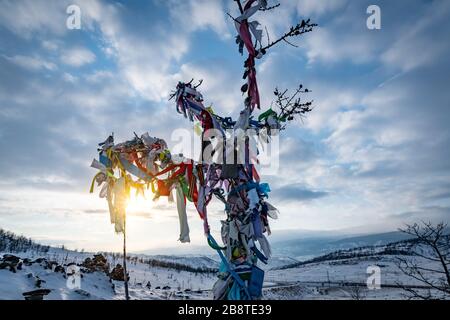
[[372, 156]]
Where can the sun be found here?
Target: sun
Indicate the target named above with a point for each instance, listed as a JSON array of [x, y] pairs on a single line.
[[138, 204]]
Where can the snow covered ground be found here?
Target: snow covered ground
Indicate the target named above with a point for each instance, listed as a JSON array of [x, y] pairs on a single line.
[[344, 274], [340, 275], [146, 281], [338, 279], [12, 284]]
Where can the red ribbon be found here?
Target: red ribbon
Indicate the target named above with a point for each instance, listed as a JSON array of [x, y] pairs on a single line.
[[246, 36]]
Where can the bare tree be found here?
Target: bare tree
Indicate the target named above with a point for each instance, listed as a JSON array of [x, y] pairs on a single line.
[[357, 292], [292, 105], [432, 270]]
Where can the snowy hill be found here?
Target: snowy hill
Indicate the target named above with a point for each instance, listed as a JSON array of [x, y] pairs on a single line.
[[10, 242], [404, 247], [149, 278], [305, 247], [27, 266], [343, 274], [340, 274]]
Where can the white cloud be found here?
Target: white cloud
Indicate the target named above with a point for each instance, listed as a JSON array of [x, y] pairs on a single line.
[[325, 45], [33, 16], [377, 154], [31, 63], [98, 76], [276, 21], [69, 78], [50, 45], [146, 63], [345, 38], [77, 57], [415, 47], [220, 87], [200, 14], [316, 8]]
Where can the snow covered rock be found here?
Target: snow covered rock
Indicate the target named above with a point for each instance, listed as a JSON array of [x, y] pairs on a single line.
[[10, 262], [98, 263], [36, 294], [117, 273]]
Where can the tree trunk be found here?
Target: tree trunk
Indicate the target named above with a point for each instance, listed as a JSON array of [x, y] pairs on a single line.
[[125, 274]]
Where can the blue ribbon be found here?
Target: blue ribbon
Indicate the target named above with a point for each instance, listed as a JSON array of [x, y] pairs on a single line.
[[260, 255], [262, 188], [131, 168], [236, 277]]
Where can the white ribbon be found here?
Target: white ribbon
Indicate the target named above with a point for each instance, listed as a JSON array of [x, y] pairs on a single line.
[[257, 33], [182, 216]]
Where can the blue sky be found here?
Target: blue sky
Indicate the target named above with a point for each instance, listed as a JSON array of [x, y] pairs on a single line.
[[372, 156]]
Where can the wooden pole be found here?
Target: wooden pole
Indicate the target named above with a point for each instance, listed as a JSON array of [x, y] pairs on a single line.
[[125, 274]]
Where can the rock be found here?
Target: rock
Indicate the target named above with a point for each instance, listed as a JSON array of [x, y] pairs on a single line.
[[117, 273], [27, 262], [8, 265], [98, 263], [49, 264], [166, 288], [83, 292], [38, 282], [11, 258], [4, 265], [59, 269], [10, 262], [99, 258], [39, 260], [43, 262], [36, 294]]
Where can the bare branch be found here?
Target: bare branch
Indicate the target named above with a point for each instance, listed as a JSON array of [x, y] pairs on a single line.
[[241, 9], [299, 29], [432, 237], [295, 46], [270, 8], [234, 19], [292, 105], [199, 84], [430, 270], [426, 257]]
